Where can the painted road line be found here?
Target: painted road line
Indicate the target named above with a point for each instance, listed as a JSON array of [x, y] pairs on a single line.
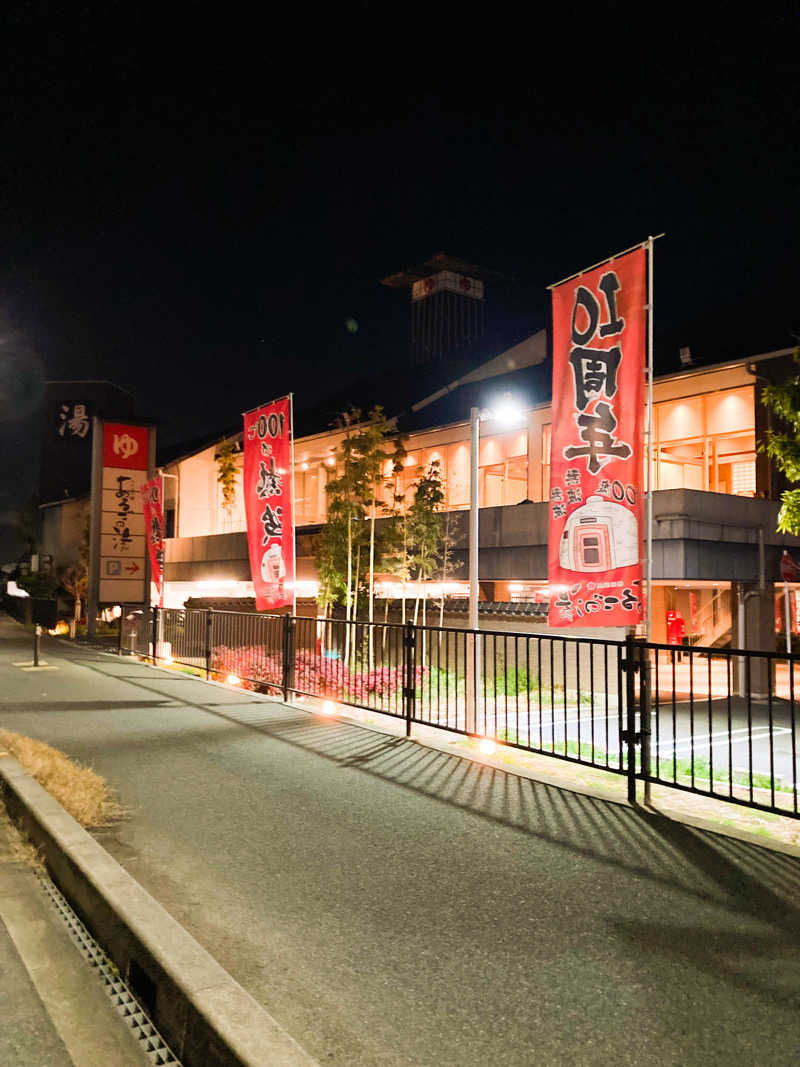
[[760, 733]]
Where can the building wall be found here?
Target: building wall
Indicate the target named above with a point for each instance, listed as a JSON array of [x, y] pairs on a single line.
[[697, 536], [62, 530], [703, 438], [198, 513]]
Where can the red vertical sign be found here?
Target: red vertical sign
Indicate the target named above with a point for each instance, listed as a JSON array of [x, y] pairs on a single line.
[[268, 503], [596, 463], [153, 500]]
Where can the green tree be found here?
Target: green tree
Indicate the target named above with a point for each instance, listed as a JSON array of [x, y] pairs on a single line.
[[74, 577], [376, 451], [425, 528], [344, 529], [783, 446], [28, 525], [395, 546], [349, 552], [449, 564], [227, 470]]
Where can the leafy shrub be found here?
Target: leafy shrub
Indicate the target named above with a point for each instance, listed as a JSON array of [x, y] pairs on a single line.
[[263, 671]]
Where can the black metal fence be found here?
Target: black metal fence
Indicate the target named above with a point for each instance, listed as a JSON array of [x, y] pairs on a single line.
[[723, 722], [712, 721]]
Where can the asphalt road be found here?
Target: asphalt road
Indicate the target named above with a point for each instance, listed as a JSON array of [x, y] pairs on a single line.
[[391, 904]]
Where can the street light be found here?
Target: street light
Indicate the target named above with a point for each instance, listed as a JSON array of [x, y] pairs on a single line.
[[508, 412]]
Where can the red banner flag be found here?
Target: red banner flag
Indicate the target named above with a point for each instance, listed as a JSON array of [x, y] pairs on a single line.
[[153, 502], [268, 502], [596, 457]]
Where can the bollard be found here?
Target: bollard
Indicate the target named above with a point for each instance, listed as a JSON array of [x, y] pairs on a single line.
[[37, 636], [154, 635], [644, 719], [209, 640], [409, 673]]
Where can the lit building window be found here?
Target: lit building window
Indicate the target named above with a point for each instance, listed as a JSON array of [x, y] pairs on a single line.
[[743, 478]]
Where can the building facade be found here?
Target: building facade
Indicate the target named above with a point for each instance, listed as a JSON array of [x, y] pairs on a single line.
[[715, 551]]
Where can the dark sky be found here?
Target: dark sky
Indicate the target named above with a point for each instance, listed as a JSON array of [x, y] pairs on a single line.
[[194, 209]]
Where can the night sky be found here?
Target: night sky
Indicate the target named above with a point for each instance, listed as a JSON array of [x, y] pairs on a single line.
[[195, 210]]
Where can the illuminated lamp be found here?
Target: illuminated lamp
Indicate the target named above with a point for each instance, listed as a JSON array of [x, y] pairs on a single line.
[[328, 707], [486, 746], [233, 679]]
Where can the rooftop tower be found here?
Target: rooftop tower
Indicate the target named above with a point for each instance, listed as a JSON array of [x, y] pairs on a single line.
[[448, 305]]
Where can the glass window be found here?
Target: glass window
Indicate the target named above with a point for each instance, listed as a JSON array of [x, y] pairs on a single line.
[[707, 442]]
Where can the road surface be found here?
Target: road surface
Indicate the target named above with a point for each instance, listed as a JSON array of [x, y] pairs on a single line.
[[393, 905]]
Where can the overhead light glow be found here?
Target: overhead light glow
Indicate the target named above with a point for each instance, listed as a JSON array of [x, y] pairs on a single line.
[[507, 410], [331, 460]]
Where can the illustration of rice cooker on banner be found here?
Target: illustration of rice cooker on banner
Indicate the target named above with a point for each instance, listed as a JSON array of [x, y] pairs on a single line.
[[272, 566], [599, 536]]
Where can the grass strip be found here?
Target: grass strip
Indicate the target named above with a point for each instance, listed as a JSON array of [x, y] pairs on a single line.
[[82, 792]]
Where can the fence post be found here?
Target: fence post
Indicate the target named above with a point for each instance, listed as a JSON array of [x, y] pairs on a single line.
[[644, 715], [629, 736], [287, 655], [409, 673], [154, 611], [209, 639]]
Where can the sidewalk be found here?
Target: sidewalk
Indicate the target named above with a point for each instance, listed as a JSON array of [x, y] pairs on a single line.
[[54, 1012]]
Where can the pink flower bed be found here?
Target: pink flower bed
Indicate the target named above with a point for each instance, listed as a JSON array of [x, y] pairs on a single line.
[[262, 671]]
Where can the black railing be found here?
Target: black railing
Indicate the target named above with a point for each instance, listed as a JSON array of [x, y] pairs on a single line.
[[717, 722], [723, 722], [563, 696]]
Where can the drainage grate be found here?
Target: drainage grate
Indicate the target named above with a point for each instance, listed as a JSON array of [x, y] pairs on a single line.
[[153, 1044]]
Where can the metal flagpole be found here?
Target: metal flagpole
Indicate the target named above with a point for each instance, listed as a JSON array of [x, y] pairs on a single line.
[[649, 436], [294, 505], [788, 619], [608, 259]]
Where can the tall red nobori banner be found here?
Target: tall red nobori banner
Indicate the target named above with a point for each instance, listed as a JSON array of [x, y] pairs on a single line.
[[268, 502], [153, 503], [596, 456]]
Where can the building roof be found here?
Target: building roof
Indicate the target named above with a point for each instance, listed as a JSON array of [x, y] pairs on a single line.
[[404, 279], [442, 395]]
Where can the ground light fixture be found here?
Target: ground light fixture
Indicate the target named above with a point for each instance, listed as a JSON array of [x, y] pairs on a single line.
[[168, 660], [328, 707], [233, 679], [486, 747]]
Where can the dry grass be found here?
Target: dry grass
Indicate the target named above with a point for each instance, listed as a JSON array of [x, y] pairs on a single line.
[[14, 846], [79, 790]]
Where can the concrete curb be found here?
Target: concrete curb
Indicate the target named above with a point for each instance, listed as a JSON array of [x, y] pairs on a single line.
[[207, 1018]]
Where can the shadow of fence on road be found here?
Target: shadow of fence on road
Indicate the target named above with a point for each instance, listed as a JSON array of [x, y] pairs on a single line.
[[744, 878]]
